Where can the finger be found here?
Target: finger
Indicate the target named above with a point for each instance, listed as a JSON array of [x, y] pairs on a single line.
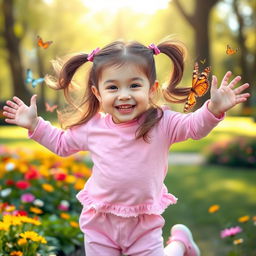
[[10, 121], [8, 109], [243, 95], [240, 100], [12, 104], [234, 82], [18, 101], [214, 84], [7, 114], [33, 100], [241, 88], [226, 78]]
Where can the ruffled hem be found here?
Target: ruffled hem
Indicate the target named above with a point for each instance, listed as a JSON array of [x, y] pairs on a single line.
[[126, 211]]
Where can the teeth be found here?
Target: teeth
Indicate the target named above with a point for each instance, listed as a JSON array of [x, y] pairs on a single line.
[[124, 107]]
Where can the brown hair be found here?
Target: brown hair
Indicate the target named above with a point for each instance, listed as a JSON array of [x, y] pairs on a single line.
[[117, 54]]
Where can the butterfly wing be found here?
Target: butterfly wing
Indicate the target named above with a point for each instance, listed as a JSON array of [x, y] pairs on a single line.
[[230, 51], [50, 108], [202, 84], [29, 76], [37, 81], [43, 44], [195, 74], [191, 101]]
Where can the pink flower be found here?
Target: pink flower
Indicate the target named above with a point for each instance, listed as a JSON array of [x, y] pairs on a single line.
[[230, 231], [27, 198]]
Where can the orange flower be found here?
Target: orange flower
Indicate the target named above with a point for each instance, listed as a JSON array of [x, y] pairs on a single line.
[[65, 216], [22, 241], [243, 219], [238, 241], [47, 187], [16, 253], [74, 224], [213, 208], [35, 210]]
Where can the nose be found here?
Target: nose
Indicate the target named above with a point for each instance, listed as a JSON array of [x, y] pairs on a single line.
[[124, 95]]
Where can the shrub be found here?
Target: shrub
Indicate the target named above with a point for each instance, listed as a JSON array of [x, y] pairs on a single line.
[[239, 151]]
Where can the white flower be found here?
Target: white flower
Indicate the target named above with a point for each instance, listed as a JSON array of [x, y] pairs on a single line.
[[38, 203], [64, 203], [6, 192], [9, 166]]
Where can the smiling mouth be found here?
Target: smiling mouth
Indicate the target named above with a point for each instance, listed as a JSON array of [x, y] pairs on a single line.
[[126, 108]]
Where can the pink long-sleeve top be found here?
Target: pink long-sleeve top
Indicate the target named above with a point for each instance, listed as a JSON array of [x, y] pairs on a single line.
[[128, 174]]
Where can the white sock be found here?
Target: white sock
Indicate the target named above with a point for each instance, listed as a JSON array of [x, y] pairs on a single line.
[[175, 248]]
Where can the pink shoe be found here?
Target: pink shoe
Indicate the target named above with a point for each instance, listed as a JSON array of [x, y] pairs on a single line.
[[182, 234]]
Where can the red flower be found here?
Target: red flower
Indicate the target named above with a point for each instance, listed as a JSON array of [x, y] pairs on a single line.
[[20, 213], [9, 182], [32, 173], [22, 184], [60, 176]]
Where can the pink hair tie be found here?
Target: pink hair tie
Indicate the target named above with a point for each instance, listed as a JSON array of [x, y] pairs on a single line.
[[154, 48], [92, 54]]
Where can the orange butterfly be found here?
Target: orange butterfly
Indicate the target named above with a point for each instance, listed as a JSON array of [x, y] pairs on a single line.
[[50, 108], [231, 51], [42, 44], [200, 85]]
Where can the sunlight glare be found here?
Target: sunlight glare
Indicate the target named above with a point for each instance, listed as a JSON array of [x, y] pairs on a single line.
[[139, 6]]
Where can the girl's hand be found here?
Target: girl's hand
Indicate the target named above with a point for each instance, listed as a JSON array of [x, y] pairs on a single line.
[[226, 97], [17, 112]]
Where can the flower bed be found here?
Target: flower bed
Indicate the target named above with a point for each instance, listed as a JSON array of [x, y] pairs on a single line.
[[240, 234], [236, 152], [37, 187]]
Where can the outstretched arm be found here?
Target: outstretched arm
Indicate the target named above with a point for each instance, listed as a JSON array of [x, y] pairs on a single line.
[[17, 112], [226, 96]]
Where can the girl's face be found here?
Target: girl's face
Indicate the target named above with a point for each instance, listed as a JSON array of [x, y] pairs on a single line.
[[124, 92]]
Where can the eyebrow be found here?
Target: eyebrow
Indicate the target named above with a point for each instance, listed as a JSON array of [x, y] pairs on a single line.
[[132, 79]]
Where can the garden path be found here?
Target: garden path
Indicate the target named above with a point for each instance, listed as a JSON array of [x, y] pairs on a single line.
[[185, 158]]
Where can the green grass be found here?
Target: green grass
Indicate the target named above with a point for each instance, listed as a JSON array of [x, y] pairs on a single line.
[[199, 187]]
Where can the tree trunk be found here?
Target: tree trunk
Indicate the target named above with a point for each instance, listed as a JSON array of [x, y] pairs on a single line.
[[199, 20], [13, 47]]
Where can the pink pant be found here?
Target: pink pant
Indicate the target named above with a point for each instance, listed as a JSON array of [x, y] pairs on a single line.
[[110, 235]]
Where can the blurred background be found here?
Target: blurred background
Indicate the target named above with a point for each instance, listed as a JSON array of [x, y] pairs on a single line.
[[219, 170]]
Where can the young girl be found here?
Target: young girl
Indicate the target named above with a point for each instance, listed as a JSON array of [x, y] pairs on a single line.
[[129, 144]]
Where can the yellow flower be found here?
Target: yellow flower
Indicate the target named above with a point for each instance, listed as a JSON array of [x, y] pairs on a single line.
[[16, 253], [213, 208], [74, 224], [79, 184], [12, 220], [65, 216], [10, 208], [4, 226], [70, 179], [48, 187], [35, 210], [22, 241], [243, 219], [33, 236], [26, 219], [238, 241]]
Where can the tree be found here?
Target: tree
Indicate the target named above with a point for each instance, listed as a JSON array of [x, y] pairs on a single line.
[[199, 20], [12, 44]]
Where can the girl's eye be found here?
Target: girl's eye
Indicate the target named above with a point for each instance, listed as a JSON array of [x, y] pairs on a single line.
[[135, 85], [111, 87]]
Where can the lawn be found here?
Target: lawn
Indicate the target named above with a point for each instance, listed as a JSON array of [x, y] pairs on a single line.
[[199, 187]]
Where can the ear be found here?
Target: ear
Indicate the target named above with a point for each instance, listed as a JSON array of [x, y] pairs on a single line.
[[153, 89], [96, 92]]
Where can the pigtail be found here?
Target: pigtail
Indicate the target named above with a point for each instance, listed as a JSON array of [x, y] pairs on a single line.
[[176, 52], [77, 112]]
